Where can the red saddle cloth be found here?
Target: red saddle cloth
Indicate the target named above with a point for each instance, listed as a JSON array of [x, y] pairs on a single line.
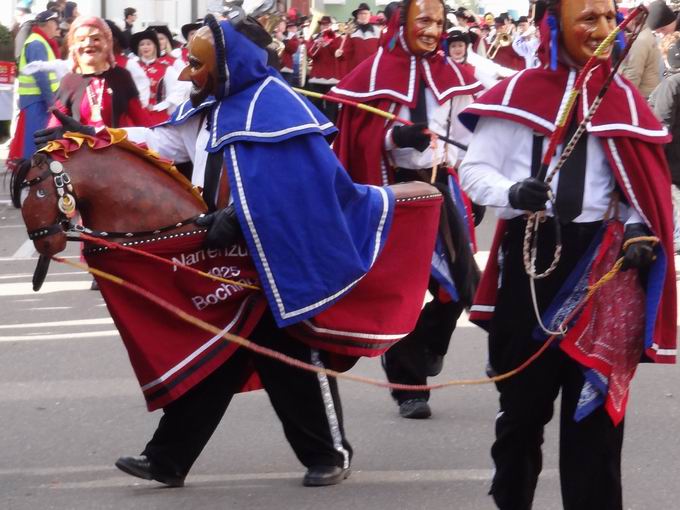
[[169, 356]]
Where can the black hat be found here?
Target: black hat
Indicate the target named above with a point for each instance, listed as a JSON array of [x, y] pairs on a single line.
[[163, 29], [673, 56], [660, 15], [47, 15], [138, 37], [325, 20], [117, 33], [188, 28], [455, 34], [362, 7]]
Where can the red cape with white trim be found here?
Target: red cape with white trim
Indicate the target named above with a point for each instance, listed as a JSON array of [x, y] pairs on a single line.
[[632, 139]]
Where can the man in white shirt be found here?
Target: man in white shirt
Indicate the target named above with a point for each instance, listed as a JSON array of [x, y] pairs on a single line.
[[503, 169], [409, 77]]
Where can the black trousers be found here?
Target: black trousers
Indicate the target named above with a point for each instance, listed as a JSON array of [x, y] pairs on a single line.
[[590, 450], [328, 108], [307, 404], [406, 362]]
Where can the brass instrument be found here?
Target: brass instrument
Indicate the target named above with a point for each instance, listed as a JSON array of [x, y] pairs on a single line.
[[345, 30], [502, 40], [271, 22], [304, 66], [348, 27], [313, 27]]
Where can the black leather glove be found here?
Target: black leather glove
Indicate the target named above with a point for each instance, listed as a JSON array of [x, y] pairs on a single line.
[[411, 136], [640, 254], [223, 228], [529, 195], [42, 136], [478, 213]]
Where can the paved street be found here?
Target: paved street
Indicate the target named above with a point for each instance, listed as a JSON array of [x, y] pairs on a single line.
[[69, 406]]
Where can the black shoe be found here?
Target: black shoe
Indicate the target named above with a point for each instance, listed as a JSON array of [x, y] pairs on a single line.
[[94, 285], [415, 408], [141, 467], [434, 363], [318, 476]]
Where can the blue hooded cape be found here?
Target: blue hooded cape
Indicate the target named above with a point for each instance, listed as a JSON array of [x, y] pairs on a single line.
[[312, 233]]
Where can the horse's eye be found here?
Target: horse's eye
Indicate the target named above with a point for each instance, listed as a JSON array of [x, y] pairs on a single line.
[[41, 193]]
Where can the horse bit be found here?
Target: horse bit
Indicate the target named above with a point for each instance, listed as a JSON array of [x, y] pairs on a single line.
[[66, 201]]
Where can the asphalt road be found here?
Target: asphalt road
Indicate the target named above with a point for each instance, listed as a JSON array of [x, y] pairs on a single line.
[[69, 406]]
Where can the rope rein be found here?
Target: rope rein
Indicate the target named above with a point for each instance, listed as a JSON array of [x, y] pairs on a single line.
[[264, 351], [530, 246]]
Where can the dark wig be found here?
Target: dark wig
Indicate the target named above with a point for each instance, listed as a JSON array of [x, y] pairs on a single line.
[[220, 50]]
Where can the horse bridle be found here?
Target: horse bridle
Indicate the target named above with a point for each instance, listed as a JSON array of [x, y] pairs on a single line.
[[66, 201], [66, 204]]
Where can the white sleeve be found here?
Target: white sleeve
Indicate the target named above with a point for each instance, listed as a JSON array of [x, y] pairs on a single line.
[[179, 65], [168, 141], [633, 216], [458, 131], [57, 66], [519, 45], [176, 92], [141, 81], [481, 173]]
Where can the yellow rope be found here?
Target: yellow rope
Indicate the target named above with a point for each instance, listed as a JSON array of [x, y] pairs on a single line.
[[361, 106], [604, 46], [641, 239], [244, 342]]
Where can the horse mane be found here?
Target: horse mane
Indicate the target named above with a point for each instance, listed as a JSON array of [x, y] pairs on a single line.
[[18, 176], [60, 150]]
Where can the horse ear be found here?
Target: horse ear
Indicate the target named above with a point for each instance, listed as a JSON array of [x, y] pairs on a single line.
[[17, 177]]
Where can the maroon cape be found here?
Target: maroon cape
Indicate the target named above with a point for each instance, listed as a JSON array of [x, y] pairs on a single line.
[[170, 356], [632, 139], [387, 80]]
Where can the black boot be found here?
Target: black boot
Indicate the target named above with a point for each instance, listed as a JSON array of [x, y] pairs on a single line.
[[142, 467]]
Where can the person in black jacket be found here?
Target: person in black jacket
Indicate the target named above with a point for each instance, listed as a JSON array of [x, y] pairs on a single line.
[[130, 15]]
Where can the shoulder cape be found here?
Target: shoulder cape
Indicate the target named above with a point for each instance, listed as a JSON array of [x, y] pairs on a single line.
[[633, 141], [386, 80], [312, 233], [394, 73]]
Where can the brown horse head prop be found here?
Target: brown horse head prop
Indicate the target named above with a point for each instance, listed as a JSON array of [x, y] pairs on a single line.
[[34, 190], [119, 192]]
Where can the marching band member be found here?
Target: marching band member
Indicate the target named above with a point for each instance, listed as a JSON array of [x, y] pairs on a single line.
[[140, 78], [166, 44], [409, 77], [161, 76], [182, 54], [526, 43], [460, 51], [324, 73], [291, 45], [362, 42], [634, 321], [501, 53]]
